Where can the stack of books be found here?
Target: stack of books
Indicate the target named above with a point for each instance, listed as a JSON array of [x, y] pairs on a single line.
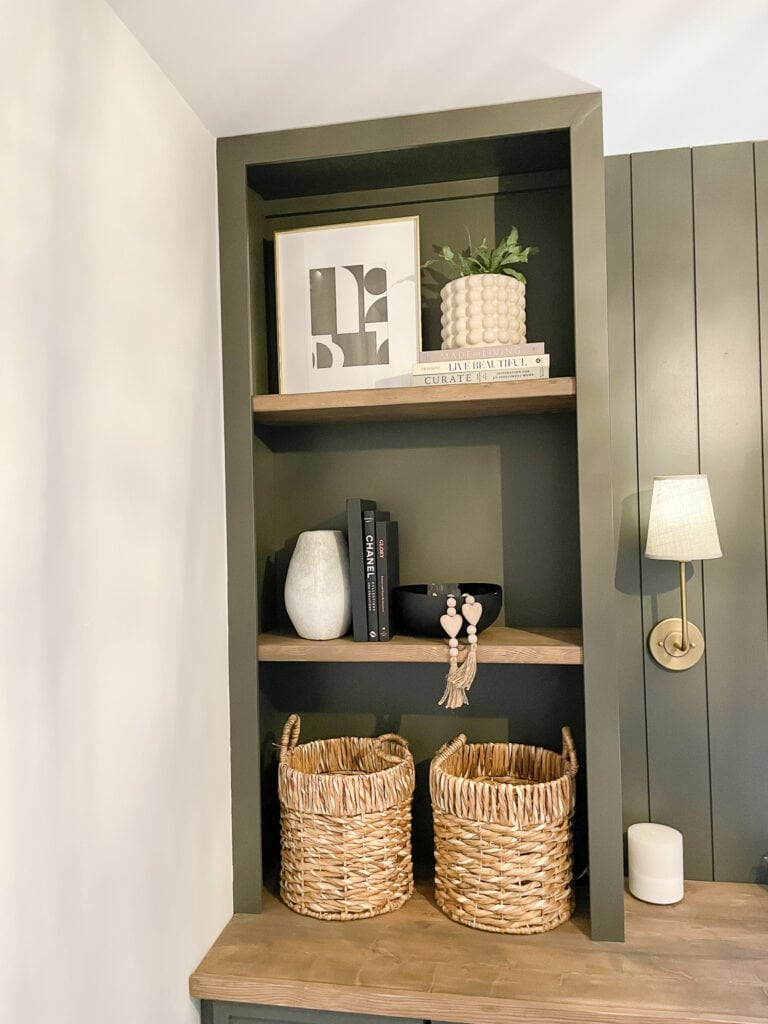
[[482, 364], [374, 569]]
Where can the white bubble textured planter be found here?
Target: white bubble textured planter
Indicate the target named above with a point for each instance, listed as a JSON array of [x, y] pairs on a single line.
[[483, 309], [317, 596]]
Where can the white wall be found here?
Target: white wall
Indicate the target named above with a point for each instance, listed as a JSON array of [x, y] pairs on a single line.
[[115, 856], [688, 73]]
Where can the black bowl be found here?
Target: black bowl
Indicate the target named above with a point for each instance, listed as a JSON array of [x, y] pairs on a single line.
[[418, 609]]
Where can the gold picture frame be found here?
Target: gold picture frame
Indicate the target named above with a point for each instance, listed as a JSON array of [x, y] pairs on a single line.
[[348, 305]]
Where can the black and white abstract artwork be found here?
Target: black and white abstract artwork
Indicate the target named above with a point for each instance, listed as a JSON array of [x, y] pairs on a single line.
[[348, 305], [348, 316]]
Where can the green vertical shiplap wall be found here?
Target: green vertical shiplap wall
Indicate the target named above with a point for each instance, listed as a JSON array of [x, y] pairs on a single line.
[[685, 232]]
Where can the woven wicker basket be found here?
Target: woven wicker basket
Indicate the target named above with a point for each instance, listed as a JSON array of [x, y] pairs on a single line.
[[503, 846], [345, 824]]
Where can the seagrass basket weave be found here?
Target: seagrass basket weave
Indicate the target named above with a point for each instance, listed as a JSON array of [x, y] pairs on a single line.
[[345, 824], [503, 844]]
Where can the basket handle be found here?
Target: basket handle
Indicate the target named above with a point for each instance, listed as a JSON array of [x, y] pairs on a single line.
[[569, 751], [290, 737], [391, 737], [449, 748]]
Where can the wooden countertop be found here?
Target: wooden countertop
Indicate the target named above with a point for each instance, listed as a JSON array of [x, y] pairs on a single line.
[[704, 960]]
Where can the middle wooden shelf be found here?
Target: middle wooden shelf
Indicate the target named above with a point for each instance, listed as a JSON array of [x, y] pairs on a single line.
[[501, 645], [379, 405]]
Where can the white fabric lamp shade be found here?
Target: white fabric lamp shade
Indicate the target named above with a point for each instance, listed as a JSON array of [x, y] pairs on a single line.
[[681, 526]]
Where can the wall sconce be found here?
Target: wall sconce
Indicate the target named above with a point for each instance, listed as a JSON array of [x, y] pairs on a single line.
[[681, 528]]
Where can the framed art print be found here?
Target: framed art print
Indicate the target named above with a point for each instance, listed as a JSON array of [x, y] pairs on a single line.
[[348, 305]]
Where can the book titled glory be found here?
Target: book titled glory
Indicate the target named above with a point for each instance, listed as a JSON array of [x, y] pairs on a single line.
[[467, 365], [370, 570], [388, 574]]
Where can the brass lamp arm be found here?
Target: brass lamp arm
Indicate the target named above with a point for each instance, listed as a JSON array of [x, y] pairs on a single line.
[[677, 644], [683, 610]]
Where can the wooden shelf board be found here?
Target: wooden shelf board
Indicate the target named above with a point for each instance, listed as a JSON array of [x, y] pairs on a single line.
[[498, 645], [553, 394], [700, 961]]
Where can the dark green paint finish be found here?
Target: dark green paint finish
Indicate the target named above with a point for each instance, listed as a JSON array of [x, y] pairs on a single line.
[[630, 677], [731, 431], [438, 162], [245, 1013], [667, 430], [518, 514], [413, 131], [241, 554], [596, 527], [699, 262], [761, 210], [534, 193]]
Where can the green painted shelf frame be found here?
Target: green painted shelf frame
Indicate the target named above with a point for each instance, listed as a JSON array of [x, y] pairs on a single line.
[[422, 154]]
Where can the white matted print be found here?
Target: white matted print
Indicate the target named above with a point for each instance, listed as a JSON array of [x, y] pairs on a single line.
[[348, 305]]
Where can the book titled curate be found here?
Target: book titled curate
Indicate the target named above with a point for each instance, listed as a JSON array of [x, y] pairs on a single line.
[[387, 574], [481, 376], [355, 509], [370, 518]]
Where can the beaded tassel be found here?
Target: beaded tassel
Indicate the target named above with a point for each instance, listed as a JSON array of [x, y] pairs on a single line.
[[460, 676], [451, 623]]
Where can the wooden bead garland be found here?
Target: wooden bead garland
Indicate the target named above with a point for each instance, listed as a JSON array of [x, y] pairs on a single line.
[[460, 674]]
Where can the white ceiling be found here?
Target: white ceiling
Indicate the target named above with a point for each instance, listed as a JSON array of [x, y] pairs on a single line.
[[691, 72]]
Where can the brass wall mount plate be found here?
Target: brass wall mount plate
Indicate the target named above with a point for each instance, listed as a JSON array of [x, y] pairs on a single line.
[[665, 640]]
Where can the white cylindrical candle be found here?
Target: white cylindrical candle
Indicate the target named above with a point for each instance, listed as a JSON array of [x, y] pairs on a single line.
[[655, 862]]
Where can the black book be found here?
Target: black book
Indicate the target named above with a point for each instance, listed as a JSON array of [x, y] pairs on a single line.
[[370, 518], [355, 509], [388, 574]]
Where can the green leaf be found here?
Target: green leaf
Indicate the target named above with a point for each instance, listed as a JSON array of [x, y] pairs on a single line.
[[482, 259], [496, 261], [514, 273]]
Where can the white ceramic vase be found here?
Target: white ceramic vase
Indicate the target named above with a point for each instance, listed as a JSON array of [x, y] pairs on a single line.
[[317, 596], [483, 309]]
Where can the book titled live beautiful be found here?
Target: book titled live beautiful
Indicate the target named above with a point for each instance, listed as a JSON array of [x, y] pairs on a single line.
[[355, 509], [467, 365]]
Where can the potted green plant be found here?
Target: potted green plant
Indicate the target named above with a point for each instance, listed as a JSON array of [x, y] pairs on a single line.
[[485, 304]]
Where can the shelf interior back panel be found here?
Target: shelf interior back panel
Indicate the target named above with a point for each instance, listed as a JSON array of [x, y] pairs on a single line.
[[487, 501], [508, 703], [450, 213]]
